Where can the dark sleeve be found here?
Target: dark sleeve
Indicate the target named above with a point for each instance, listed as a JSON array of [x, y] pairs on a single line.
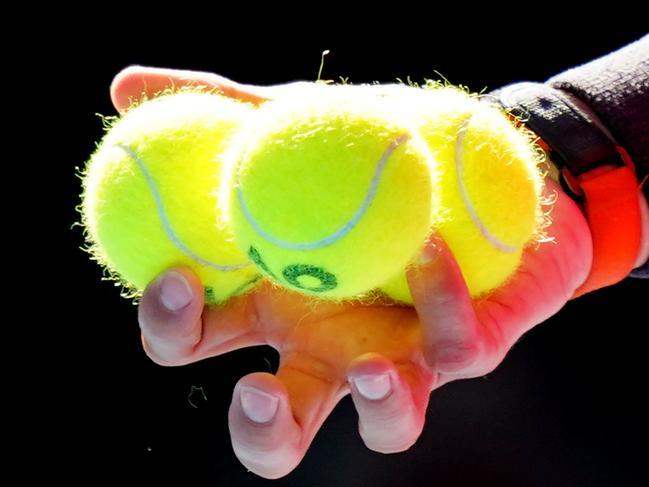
[[616, 88]]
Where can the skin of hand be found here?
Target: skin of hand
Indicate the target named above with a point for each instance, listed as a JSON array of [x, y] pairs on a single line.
[[390, 358]]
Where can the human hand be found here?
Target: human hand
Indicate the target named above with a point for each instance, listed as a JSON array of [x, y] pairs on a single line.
[[324, 346]]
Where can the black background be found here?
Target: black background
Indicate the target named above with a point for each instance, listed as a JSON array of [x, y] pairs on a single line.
[[566, 408]]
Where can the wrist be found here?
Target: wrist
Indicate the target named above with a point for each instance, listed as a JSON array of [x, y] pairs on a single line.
[[593, 170], [642, 259]]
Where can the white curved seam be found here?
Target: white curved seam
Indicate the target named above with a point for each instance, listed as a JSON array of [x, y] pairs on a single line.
[[166, 224], [346, 228], [459, 167]]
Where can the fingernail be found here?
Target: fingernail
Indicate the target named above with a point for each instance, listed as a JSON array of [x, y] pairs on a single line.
[[429, 253], [373, 387], [175, 291], [259, 406]]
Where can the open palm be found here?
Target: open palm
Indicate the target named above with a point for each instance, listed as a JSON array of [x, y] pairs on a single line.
[[388, 357]]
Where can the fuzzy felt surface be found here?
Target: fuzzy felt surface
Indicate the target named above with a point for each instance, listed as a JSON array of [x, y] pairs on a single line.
[[490, 186], [330, 195], [151, 195]]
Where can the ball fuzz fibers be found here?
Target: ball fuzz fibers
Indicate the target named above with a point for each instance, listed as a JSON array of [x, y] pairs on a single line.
[[489, 187], [150, 194], [330, 195]]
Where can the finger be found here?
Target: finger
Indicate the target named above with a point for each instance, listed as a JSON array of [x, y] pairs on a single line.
[[549, 274], [137, 82], [170, 317], [453, 337], [391, 404], [273, 419]]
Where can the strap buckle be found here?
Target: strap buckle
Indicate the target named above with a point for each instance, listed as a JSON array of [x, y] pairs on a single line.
[[594, 171], [569, 180]]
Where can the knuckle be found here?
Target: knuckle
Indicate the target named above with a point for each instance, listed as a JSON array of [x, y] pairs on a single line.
[[267, 460], [157, 359], [160, 358], [255, 443], [392, 441], [456, 356], [393, 431]]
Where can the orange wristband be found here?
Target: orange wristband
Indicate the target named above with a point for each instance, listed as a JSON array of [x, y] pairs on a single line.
[[612, 208], [594, 171]]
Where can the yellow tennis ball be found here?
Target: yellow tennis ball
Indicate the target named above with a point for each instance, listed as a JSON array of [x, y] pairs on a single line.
[[150, 194], [330, 195], [490, 186]]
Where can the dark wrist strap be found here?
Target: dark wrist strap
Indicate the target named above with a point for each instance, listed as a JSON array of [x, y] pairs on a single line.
[[594, 171]]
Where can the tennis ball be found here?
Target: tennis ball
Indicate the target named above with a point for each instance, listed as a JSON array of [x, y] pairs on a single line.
[[149, 194], [330, 195], [490, 187]]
